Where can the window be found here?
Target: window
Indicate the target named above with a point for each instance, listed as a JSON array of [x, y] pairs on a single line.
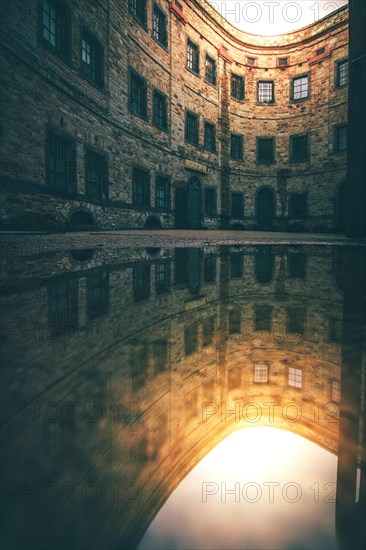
[[190, 339], [342, 73], [210, 137], [282, 61], [209, 269], [210, 70], [162, 277], [97, 294], [265, 91], [299, 148], [261, 373], [141, 282], [60, 162], [236, 265], [341, 139], [193, 53], [251, 60], [140, 187], [295, 377], [320, 51], [160, 115], [237, 86], [336, 392], [296, 265], [335, 330], [160, 26], [298, 205], [210, 201], [236, 147], [192, 128], [208, 330], [138, 9], [160, 356], [91, 58], [263, 318], [138, 94], [96, 175], [234, 321], [55, 26], [63, 306], [237, 205], [295, 320], [162, 191], [139, 369], [300, 87], [265, 150]]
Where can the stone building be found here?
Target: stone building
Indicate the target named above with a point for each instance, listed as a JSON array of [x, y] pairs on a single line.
[[136, 114]]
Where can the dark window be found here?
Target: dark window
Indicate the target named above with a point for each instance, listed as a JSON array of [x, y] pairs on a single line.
[[138, 9], [282, 61], [141, 282], [341, 139], [160, 116], [210, 137], [237, 86], [60, 162], [96, 175], [210, 201], [342, 73], [236, 147], [192, 57], [55, 26], [237, 205], [335, 330], [162, 184], [160, 351], [97, 294], [234, 321], [208, 331], [296, 262], [236, 265], [210, 70], [299, 148], [263, 318], [162, 277], [160, 26], [265, 150], [295, 320], [320, 51], [209, 269], [300, 87], [192, 128], [140, 187], [139, 368], [190, 339], [92, 58], [298, 205], [63, 306], [138, 94], [265, 91], [251, 60]]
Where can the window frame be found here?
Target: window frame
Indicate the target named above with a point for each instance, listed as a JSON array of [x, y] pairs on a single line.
[[291, 148], [70, 186], [241, 82], [104, 185], [196, 117], [261, 161], [270, 102], [94, 41], [133, 74], [293, 80], [163, 43], [296, 370], [260, 374], [195, 46], [156, 93], [146, 193], [64, 52]]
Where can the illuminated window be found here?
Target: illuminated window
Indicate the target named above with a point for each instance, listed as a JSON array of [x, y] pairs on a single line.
[[210, 137], [160, 115], [160, 356], [300, 87], [295, 377], [193, 53], [162, 277], [191, 339], [236, 147], [236, 265], [96, 175], [234, 321], [141, 282], [261, 374], [265, 91]]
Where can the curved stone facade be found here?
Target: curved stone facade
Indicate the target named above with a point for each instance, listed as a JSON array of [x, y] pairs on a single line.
[[190, 123]]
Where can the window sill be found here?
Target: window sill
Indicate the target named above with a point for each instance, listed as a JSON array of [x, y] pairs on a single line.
[[193, 72]]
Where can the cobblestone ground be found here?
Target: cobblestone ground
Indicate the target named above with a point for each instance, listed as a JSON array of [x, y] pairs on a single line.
[[31, 242]]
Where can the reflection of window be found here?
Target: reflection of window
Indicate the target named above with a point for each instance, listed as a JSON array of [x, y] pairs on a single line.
[[340, 138], [160, 115], [96, 175], [264, 265], [263, 318], [234, 378], [336, 391], [60, 162], [296, 264], [139, 369], [236, 147], [261, 373], [160, 356], [295, 377], [141, 282], [298, 205], [234, 321], [335, 330], [236, 265], [97, 294], [208, 328], [190, 339], [63, 306], [295, 321], [209, 269], [162, 277]]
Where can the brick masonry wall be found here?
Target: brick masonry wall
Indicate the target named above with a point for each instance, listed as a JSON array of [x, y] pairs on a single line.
[[42, 91]]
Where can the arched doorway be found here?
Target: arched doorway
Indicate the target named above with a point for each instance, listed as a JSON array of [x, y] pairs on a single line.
[[265, 209], [194, 203]]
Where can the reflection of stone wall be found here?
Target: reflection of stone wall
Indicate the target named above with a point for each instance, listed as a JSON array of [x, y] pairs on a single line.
[[135, 392], [42, 91]]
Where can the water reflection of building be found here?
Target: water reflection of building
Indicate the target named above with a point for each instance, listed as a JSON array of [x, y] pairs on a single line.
[[124, 368]]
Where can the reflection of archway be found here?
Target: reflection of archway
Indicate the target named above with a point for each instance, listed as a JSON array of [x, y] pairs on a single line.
[[340, 208], [265, 209], [81, 219], [264, 264]]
